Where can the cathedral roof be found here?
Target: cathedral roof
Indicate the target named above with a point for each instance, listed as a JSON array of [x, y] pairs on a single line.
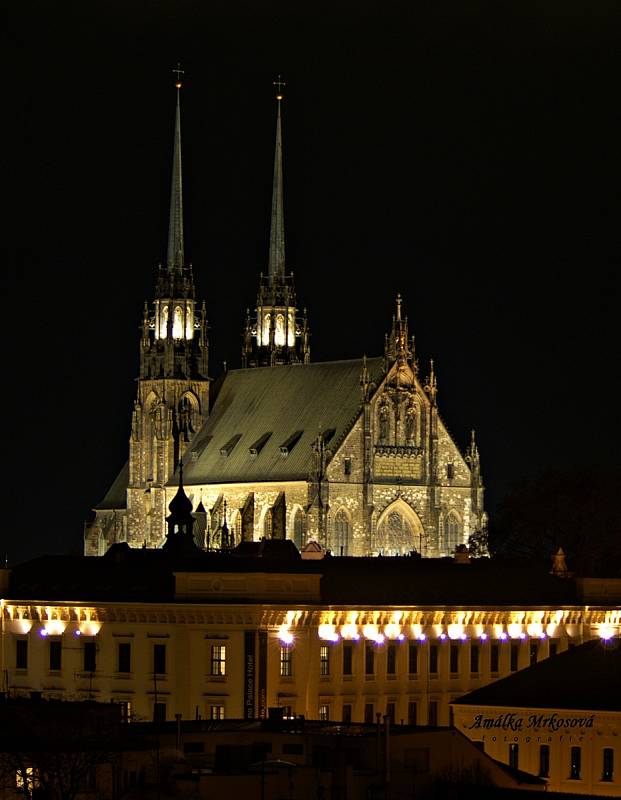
[[293, 404], [116, 496]]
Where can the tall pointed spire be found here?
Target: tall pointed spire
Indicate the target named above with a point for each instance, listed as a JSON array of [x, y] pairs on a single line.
[[276, 334], [277, 229], [175, 227]]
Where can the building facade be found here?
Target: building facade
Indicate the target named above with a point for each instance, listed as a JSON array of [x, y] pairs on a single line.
[[351, 454], [226, 636]]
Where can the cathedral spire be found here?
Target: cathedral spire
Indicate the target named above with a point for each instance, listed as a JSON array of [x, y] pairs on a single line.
[[276, 334], [277, 228], [175, 226]]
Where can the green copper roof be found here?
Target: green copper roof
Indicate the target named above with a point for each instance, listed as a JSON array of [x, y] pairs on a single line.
[[291, 403]]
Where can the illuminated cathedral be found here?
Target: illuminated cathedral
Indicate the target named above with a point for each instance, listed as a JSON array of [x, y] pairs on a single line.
[[348, 456]]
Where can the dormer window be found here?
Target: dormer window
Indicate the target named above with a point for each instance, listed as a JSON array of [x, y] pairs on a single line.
[[287, 446], [227, 449], [260, 443]]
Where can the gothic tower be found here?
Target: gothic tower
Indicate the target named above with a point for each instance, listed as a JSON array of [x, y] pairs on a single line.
[[172, 400], [275, 334]]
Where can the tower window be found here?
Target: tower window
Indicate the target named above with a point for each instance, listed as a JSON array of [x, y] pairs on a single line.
[[450, 471], [347, 466]]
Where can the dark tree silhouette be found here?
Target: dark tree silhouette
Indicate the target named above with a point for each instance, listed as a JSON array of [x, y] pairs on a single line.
[[577, 510]]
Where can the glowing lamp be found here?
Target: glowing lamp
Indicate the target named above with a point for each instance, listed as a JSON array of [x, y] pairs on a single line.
[[606, 633], [43, 633], [515, 630], [286, 637], [463, 637], [502, 636], [522, 636], [442, 636], [401, 637], [77, 633], [328, 633], [421, 637]]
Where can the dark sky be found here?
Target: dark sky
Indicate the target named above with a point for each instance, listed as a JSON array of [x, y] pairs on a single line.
[[465, 154]]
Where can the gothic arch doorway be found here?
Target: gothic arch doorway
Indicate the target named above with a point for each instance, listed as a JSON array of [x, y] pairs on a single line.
[[399, 530]]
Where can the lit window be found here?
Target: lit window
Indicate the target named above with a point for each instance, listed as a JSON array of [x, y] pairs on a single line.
[[26, 780], [342, 530], [216, 712], [451, 533], [324, 660], [286, 662], [324, 713], [218, 659], [126, 711]]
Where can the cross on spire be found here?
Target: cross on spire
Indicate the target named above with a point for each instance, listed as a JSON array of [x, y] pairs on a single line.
[[179, 73], [279, 84]]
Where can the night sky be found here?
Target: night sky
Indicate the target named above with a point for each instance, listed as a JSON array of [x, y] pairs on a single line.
[[464, 154]]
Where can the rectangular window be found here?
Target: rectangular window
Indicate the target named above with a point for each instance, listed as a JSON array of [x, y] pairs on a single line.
[[454, 659], [216, 712], [287, 713], [474, 658], [126, 711], [413, 658], [433, 659], [347, 466], [348, 657], [391, 712], [450, 471], [514, 756], [324, 712], [324, 659], [432, 713], [21, 654], [286, 662], [608, 764], [533, 653], [368, 713], [124, 657], [494, 656], [159, 659], [346, 712], [90, 656], [412, 712], [544, 760], [575, 763], [391, 658], [515, 651], [159, 712], [218, 659], [55, 655], [369, 659]]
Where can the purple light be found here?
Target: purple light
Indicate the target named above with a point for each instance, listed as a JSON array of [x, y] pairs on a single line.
[[401, 637], [77, 633], [503, 636], [421, 637], [542, 636], [522, 636], [442, 636], [483, 637], [43, 632], [463, 637]]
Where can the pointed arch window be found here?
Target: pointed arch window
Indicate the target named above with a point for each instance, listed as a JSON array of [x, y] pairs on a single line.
[[298, 529], [451, 533], [342, 533], [264, 339], [279, 334], [395, 535], [163, 322], [178, 323], [267, 524]]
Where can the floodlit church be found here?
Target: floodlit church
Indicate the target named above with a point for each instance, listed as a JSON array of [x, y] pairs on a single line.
[[350, 455]]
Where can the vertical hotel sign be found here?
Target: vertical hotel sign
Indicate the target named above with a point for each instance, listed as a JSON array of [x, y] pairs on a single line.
[[250, 674], [262, 674]]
